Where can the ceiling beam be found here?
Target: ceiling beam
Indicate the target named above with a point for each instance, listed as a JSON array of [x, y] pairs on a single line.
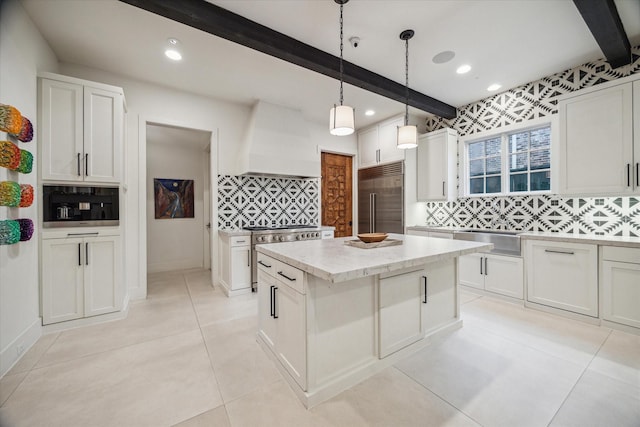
[[604, 22], [220, 22]]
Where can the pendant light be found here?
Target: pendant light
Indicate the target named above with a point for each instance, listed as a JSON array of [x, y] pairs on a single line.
[[341, 117], [407, 135]]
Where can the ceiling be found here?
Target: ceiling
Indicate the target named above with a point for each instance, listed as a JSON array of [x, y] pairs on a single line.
[[510, 42]]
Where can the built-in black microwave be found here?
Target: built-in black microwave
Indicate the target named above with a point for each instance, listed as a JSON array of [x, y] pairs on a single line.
[[78, 206]]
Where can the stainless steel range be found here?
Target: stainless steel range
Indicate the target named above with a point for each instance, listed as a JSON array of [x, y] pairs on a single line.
[[288, 233]]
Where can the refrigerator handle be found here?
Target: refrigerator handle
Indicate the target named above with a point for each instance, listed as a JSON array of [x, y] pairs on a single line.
[[375, 209], [370, 212]]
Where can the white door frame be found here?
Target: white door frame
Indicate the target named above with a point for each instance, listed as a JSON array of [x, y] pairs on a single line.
[[143, 121]]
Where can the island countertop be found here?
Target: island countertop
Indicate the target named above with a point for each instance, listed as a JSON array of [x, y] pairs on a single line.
[[334, 261]]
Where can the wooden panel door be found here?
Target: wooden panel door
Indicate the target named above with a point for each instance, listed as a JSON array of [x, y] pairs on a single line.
[[337, 189]]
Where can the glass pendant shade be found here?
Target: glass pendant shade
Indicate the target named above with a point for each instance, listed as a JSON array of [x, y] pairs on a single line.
[[341, 120], [407, 137]]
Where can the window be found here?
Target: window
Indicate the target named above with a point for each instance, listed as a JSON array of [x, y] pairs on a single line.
[[509, 163]]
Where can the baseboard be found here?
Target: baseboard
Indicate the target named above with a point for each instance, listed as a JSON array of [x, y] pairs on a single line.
[[231, 293], [19, 346], [86, 321], [183, 264]]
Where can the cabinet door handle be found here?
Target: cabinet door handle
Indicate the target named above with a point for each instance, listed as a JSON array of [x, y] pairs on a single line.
[[78, 163], [83, 234], [271, 301], [291, 279], [248, 258], [559, 252], [275, 309], [86, 253], [86, 164], [628, 174], [424, 279], [378, 155], [263, 264], [79, 253], [481, 265], [443, 188], [638, 174], [485, 266]]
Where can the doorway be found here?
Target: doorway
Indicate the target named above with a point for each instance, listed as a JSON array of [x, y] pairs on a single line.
[[180, 156], [337, 193]]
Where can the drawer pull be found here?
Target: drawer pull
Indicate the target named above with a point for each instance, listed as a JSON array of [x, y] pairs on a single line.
[[263, 264], [82, 234], [559, 252], [286, 277], [239, 241]]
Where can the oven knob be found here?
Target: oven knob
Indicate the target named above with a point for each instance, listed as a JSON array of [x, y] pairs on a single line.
[[282, 239], [298, 237]]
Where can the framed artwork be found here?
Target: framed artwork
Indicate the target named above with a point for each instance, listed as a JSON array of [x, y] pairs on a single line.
[[173, 198]]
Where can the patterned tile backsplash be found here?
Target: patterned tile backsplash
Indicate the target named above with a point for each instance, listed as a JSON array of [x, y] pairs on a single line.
[[249, 201], [618, 216], [615, 216]]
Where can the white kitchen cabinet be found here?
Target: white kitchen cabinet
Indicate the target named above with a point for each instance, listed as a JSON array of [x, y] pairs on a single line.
[[327, 234], [377, 144], [436, 165], [400, 308], [81, 130], [235, 264], [81, 277], [620, 285], [597, 151], [494, 273], [414, 303], [282, 315], [563, 275], [440, 306]]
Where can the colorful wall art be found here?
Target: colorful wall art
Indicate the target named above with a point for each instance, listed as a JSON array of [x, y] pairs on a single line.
[[173, 198]]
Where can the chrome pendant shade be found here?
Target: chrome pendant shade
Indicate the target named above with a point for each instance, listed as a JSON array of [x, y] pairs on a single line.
[[341, 117], [407, 135]]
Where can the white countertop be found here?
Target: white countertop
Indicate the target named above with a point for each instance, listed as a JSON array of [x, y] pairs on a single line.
[[233, 232], [334, 261], [631, 242]]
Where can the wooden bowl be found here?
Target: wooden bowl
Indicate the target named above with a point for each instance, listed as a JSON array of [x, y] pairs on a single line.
[[372, 237]]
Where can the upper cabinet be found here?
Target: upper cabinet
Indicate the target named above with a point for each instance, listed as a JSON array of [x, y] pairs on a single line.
[[599, 153], [436, 165], [81, 130], [377, 144]]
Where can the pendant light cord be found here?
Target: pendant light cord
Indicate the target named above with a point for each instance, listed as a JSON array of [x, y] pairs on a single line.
[[406, 73], [341, 49]]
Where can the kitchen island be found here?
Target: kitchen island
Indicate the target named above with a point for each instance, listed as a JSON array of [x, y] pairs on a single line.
[[332, 315]]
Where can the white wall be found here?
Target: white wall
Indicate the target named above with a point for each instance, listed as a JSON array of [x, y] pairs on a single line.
[[177, 243], [23, 52]]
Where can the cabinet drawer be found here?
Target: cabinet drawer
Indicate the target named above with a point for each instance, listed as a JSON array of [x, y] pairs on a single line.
[[267, 264], [290, 276], [240, 240], [615, 253]]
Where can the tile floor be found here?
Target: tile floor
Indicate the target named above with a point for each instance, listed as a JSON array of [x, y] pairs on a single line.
[[187, 356]]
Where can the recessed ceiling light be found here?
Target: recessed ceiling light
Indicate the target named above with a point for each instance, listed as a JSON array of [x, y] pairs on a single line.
[[443, 57], [369, 113], [172, 51], [494, 87], [463, 69]]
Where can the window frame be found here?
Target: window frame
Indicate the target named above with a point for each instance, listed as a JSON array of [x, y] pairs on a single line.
[[503, 133]]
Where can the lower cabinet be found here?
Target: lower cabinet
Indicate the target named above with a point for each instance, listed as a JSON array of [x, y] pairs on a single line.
[[282, 315], [235, 264], [81, 277], [563, 275], [413, 303], [620, 285], [495, 273]]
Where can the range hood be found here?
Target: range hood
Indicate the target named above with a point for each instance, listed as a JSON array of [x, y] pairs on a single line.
[[277, 143]]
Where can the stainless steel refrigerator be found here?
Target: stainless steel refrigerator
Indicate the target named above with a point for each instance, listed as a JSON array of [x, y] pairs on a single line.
[[381, 199]]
